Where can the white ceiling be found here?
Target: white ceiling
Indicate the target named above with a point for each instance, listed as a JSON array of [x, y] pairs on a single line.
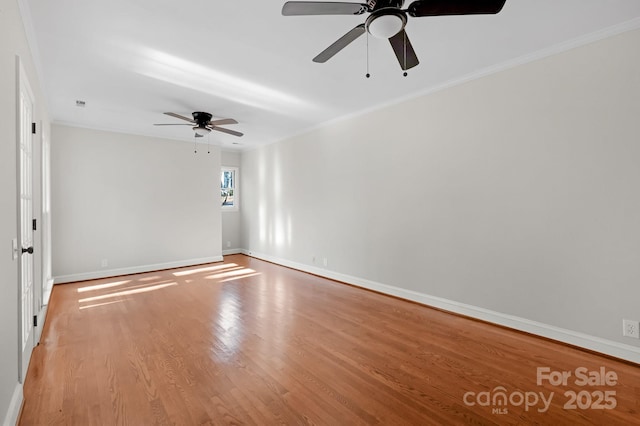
[[132, 60]]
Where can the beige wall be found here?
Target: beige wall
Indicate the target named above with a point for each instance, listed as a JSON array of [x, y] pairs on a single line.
[[141, 203], [515, 193]]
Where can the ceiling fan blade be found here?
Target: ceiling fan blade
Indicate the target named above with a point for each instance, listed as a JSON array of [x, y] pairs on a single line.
[[454, 7], [223, 130], [297, 8], [340, 44], [181, 117], [222, 121], [404, 50], [173, 124]]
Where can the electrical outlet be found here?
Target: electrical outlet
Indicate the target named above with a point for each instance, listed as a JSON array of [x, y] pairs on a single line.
[[228, 244], [104, 263], [631, 328], [325, 262]]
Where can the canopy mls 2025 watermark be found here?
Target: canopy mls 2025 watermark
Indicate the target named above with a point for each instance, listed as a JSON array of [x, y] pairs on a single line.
[[500, 398]]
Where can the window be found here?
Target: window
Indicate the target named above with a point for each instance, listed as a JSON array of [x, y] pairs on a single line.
[[228, 188]]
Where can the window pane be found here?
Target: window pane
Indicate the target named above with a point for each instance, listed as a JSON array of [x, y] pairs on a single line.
[[227, 186]]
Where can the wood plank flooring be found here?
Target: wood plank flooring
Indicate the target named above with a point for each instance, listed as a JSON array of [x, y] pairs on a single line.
[[249, 342]]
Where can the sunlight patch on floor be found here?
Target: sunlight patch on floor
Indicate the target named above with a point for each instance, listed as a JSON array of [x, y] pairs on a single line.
[[102, 286], [206, 269], [156, 277], [101, 304], [128, 292], [240, 277], [235, 273]]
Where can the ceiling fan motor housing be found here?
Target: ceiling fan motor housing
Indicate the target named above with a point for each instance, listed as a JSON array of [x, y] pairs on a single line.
[[202, 118], [382, 4]]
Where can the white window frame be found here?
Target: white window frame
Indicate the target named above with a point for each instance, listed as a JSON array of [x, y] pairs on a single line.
[[236, 198]]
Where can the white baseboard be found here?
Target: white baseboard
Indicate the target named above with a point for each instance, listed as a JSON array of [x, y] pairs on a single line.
[[133, 270], [586, 341], [11, 418], [231, 251]]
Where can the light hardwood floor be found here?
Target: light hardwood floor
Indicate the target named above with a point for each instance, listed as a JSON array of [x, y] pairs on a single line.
[[249, 342]]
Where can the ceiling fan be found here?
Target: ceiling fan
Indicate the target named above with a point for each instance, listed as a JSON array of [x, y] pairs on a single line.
[[387, 20], [202, 123]]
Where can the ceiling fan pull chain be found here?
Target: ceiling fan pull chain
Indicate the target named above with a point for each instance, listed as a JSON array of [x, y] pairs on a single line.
[[195, 145], [208, 143], [405, 52], [368, 75]]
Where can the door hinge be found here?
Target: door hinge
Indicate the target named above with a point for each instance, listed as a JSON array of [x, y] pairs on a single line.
[[33, 128], [35, 320], [34, 225]]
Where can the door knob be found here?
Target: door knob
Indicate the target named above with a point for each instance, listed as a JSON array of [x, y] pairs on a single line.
[[27, 250]]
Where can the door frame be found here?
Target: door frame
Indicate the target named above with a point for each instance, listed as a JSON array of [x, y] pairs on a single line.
[[45, 212], [25, 346], [43, 281]]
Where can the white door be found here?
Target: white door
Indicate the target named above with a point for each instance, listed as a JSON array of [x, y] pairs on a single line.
[[25, 237]]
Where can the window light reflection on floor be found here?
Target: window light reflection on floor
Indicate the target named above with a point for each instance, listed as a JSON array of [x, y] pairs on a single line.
[[102, 286], [128, 292], [235, 273], [101, 304], [155, 277], [205, 269], [240, 277]]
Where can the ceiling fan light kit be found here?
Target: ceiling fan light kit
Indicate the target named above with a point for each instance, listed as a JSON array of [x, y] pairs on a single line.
[[201, 131], [387, 20], [386, 23]]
